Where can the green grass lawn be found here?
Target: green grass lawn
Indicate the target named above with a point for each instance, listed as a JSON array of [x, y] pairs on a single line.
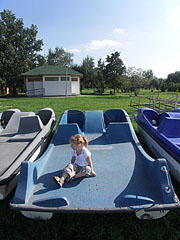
[[83, 226]]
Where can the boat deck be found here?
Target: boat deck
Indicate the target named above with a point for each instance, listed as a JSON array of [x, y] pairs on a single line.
[[120, 182], [127, 178]]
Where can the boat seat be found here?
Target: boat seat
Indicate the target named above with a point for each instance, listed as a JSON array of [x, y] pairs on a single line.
[[170, 127], [65, 131], [13, 124], [45, 115], [161, 117], [29, 127], [76, 116], [6, 115], [114, 115], [118, 132]]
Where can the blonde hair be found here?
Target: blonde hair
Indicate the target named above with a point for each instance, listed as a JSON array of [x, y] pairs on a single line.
[[78, 139]]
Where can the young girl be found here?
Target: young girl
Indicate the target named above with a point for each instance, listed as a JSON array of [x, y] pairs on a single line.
[[81, 164]]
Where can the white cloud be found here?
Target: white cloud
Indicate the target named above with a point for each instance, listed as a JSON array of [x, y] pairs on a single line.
[[118, 30], [74, 50], [96, 44]]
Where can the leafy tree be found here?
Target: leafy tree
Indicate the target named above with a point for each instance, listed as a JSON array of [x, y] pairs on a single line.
[[18, 49], [59, 57], [150, 79], [88, 71], [163, 85], [125, 83], [136, 79], [174, 77], [100, 80], [114, 70]]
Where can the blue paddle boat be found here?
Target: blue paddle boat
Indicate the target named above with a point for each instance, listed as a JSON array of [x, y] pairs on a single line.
[[127, 180], [161, 133]]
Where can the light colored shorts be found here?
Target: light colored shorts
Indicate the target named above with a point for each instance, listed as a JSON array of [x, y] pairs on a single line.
[[72, 169]]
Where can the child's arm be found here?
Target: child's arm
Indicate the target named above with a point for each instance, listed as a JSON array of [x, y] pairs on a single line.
[[91, 165], [73, 159]]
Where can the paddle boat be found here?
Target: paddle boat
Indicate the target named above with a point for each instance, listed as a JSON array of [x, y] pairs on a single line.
[[127, 180], [161, 133], [23, 137]]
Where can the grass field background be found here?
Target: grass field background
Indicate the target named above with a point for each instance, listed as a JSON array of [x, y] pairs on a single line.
[[84, 226]]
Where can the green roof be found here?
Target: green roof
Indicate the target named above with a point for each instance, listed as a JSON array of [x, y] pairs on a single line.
[[51, 70]]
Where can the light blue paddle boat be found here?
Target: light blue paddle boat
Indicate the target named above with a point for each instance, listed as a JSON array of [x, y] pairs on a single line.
[[127, 180]]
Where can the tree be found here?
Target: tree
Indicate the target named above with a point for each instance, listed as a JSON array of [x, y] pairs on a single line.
[[59, 57], [18, 49], [88, 71], [100, 80], [174, 77], [135, 79], [114, 70]]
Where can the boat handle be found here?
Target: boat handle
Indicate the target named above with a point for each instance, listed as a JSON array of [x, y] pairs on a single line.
[[168, 188]]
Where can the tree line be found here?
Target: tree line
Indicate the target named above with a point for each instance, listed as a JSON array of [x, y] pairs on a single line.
[[20, 52]]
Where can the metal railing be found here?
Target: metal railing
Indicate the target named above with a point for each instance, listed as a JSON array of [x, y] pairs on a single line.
[[37, 92]]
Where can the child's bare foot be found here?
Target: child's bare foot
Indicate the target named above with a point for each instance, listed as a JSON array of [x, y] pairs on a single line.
[[59, 181]]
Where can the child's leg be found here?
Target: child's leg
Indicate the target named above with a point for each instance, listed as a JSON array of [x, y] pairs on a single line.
[[84, 171], [67, 174], [71, 170], [64, 176]]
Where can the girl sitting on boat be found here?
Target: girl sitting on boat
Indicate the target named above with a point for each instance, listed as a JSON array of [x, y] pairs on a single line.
[[81, 164]]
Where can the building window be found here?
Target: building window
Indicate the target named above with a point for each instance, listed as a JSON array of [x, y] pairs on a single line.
[[65, 78], [75, 79], [51, 79], [34, 79]]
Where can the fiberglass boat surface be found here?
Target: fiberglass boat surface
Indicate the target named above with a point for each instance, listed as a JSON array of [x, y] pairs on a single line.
[[161, 132], [127, 180], [23, 137]]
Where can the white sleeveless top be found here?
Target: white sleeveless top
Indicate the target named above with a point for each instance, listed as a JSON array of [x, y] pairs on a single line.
[[81, 158]]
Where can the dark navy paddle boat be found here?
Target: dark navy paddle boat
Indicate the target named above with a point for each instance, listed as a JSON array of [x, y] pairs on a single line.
[[161, 133]]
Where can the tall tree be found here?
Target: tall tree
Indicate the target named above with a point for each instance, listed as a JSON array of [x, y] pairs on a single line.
[[114, 70], [18, 49], [59, 57], [100, 80], [88, 71], [136, 78]]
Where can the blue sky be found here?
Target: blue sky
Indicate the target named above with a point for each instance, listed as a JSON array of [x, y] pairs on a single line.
[[146, 32]]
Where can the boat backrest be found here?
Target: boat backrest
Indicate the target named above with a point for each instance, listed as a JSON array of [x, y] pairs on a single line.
[[161, 117], [170, 127], [151, 115], [64, 132], [114, 115], [13, 124], [118, 132], [76, 116], [30, 124], [6, 115], [45, 115], [29, 127]]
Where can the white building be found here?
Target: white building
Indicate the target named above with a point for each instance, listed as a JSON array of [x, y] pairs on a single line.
[[52, 80]]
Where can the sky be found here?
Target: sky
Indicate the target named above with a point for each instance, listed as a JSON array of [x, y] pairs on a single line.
[[145, 32]]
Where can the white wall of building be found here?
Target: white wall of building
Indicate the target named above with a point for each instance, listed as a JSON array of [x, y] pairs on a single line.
[[34, 88], [56, 88], [53, 86]]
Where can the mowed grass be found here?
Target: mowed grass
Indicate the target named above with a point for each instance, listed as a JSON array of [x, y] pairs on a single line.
[[83, 226]]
